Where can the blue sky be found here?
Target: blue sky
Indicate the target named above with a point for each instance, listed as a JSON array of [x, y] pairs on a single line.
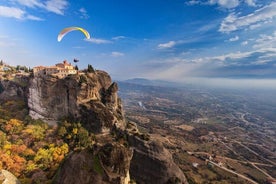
[[156, 39]]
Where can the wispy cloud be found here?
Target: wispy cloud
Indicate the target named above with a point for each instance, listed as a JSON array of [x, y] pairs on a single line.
[[167, 45], [266, 41], [83, 13], [225, 3], [193, 2], [236, 38], [54, 6], [117, 54], [250, 2], [233, 22], [221, 3], [30, 3], [98, 41], [11, 12], [118, 37], [210, 26], [231, 56], [17, 13], [31, 17], [244, 43]]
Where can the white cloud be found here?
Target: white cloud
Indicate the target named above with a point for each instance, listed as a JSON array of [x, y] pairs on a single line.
[[266, 41], [244, 43], [17, 13], [84, 14], [11, 12], [232, 22], [167, 45], [30, 3], [236, 38], [222, 3], [117, 54], [193, 2], [118, 37], [250, 2], [208, 27], [98, 41], [56, 6], [254, 26], [236, 55], [31, 17], [226, 3], [265, 52]]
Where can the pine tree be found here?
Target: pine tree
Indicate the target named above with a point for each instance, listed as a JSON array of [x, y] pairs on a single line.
[[90, 69]]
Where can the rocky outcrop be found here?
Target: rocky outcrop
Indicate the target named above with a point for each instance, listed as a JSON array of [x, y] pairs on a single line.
[[90, 98], [108, 164], [8, 178], [14, 89], [152, 162]]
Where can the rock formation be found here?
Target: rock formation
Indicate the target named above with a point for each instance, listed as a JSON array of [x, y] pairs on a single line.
[[8, 178], [90, 98], [14, 89], [151, 162], [119, 154], [106, 164]]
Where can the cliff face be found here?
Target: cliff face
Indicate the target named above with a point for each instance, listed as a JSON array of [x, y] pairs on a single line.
[[151, 161], [15, 90], [106, 164], [90, 98]]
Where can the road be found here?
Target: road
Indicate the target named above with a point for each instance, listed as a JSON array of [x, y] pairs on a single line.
[[233, 172], [257, 154]]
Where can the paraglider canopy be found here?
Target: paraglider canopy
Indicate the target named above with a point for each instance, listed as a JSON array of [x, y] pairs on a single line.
[[69, 29]]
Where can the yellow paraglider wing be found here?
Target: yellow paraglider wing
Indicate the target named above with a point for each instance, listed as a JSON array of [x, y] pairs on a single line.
[[69, 29]]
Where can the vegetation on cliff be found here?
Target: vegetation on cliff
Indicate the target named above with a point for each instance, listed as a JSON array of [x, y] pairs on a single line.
[[31, 149], [85, 139]]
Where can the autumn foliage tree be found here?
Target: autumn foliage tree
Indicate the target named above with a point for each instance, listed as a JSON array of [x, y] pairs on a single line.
[[30, 149], [75, 135]]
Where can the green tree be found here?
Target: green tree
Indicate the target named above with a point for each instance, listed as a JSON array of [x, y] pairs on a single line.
[[75, 135], [90, 69]]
